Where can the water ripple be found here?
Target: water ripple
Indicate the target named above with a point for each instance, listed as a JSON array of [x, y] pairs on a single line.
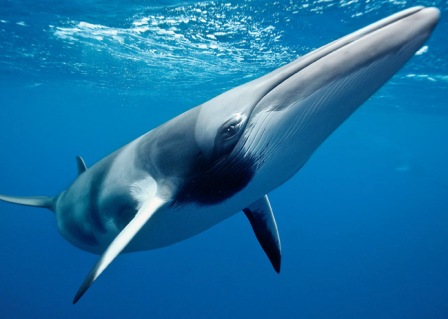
[[202, 39], [189, 44]]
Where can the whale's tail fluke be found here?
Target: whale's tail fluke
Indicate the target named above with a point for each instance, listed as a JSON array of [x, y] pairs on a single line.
[[36, 201], [42, 201]]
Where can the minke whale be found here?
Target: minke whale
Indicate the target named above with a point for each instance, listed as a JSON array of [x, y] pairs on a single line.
[[225, 155]]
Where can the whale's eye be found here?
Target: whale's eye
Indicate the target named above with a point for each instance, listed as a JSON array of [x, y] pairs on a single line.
[[232, 127], [229, 133]]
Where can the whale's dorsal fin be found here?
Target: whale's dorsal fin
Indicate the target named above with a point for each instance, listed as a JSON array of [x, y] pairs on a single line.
[[263, 223], [81, 165], [120, 242]]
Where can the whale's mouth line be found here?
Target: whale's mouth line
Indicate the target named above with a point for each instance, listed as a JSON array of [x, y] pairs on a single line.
[[282, 75], [309, 59]]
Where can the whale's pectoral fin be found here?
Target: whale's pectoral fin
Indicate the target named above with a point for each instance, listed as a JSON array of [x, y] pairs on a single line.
[[120, 242], [262, 219], [36, 201], [82, 167]]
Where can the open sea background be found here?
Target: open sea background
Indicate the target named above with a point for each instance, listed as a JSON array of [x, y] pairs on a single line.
[[364, 225]]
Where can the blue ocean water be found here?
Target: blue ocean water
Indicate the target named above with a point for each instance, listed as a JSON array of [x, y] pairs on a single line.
[[364, 225]]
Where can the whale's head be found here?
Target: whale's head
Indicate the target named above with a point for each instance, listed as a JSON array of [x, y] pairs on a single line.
[[261, 133], [265, 130]]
